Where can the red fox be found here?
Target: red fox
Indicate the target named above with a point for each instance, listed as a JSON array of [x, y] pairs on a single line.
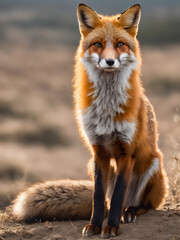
[[117, 123]]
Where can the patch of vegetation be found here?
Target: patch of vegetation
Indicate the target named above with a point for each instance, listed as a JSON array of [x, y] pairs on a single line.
[[7, 110], [46, 136], [5, 199], [13, 178], [164, 86], [10, 172]]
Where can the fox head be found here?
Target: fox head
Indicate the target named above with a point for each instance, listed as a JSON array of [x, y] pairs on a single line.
[[108, 43]]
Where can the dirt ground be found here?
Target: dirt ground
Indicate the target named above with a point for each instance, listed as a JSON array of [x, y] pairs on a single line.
[[154, 225]]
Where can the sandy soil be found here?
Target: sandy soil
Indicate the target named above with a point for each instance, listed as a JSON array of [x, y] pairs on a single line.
[[155, 225]]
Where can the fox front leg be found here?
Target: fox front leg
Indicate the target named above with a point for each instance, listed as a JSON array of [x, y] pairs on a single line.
[[125, 165], [102, 161]]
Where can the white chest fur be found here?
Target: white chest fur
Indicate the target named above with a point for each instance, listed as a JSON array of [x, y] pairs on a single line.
[[109, 95]]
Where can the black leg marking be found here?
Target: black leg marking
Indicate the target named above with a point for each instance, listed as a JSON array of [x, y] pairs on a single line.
[[98, 211], [117, 201]]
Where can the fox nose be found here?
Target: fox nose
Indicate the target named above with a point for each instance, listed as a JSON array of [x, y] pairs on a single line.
[[110, 62]]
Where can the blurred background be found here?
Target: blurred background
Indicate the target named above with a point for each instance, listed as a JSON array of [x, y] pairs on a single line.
[[38, 135]]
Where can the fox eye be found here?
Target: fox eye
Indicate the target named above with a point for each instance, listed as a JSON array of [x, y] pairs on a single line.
[[120, 44], [97, 44]]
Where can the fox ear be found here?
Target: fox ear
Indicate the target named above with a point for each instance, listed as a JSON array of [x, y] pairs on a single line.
[[87, 18], [129, 19]]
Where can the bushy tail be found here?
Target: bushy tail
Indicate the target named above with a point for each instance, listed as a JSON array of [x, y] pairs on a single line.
[[54, 200]]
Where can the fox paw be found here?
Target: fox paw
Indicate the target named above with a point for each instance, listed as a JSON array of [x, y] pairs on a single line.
[[129, 215], [90, 230], [110, 231]]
